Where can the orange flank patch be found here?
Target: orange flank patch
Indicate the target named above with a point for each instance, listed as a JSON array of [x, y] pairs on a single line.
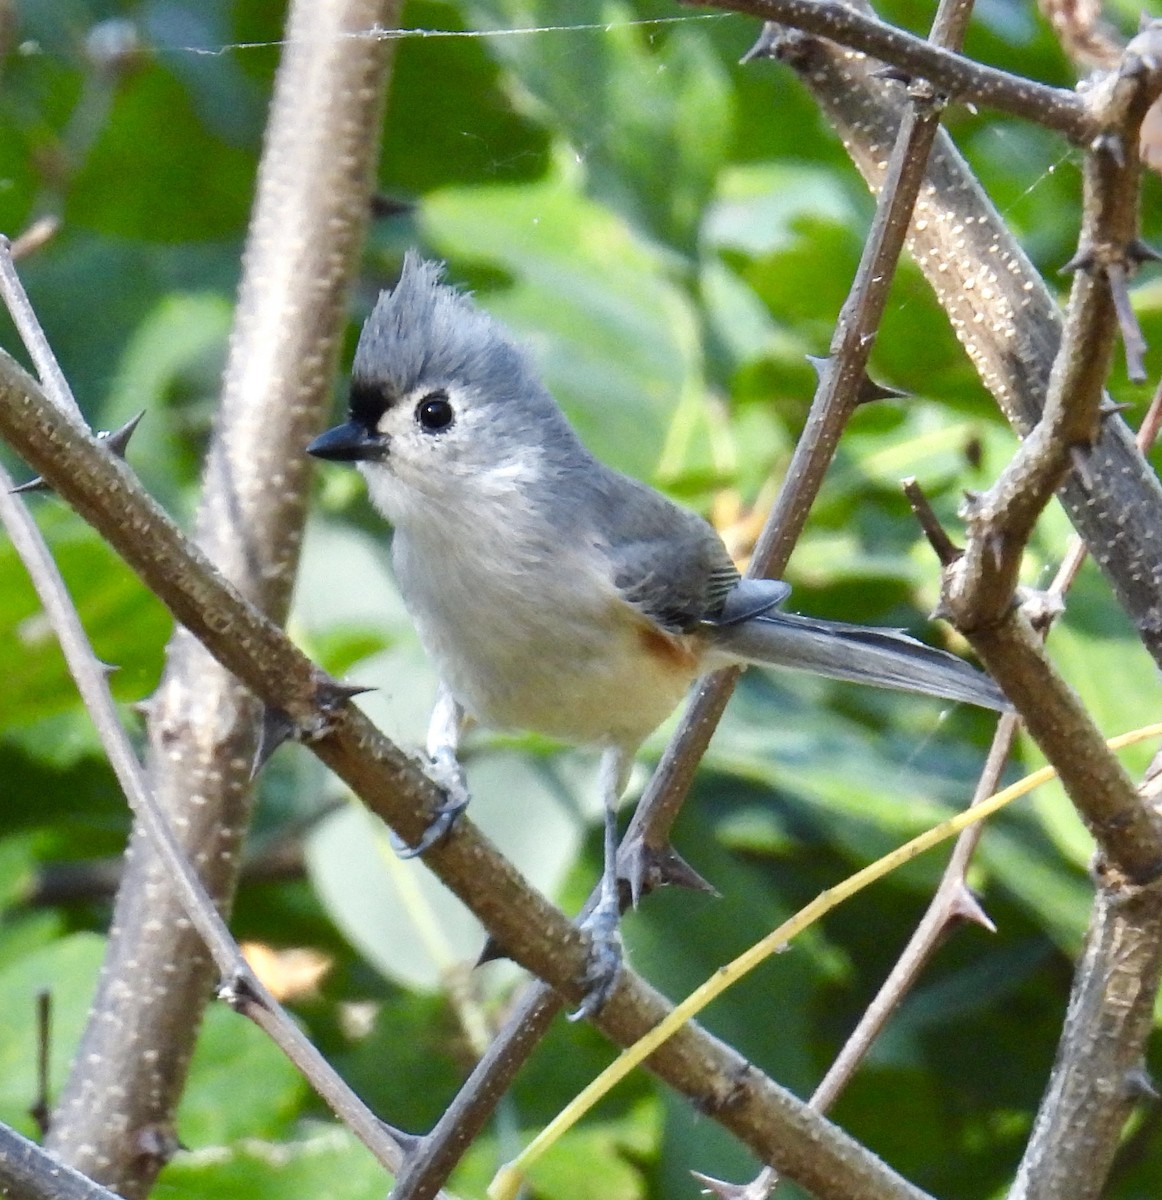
[[678, 651]]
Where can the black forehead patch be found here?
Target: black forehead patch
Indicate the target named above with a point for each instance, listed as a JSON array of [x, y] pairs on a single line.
[[368, 402]]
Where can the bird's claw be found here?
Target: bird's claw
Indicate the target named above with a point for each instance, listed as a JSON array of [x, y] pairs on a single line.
[[446, 774], [605, 960]]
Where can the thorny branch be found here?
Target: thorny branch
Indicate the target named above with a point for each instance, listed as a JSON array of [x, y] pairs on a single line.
[[30, 1173], [1100, 1055], [115, 1116], [244, 990], [948, 73], [979, 587], [1002, 313]]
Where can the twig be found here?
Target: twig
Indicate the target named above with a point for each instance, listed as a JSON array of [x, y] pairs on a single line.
[[1110, 1014], [92, 682], [979, 587], [115, 1117], [1001, 311], [30, 1173], [1098, 1076], [951, 74], [842, 376]]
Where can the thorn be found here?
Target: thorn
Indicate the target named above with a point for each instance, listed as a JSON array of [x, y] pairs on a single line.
[[277, 727], [1110, 408], [643, 869], [766, 45], [1041, 608], [821, 363], [759, 1188], [870, 390], [108, 669], [1139, 252], [1079, 457], [236, 992], [674, 871], [157, 1141], [36, 484], [1083, 260], [492, 951], [383, 205], [1139, 1085], [331, 694], [409, 1143], [143, 708], [118, 439], [964, 906], [893, 75], [970, 508]]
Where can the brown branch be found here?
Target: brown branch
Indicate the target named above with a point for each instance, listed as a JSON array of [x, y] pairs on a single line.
[[1091, 1091], [115, 1116], [778, 1127], [950, 74], [1004, 316], [841, 383], [979, 588], [92, 683], [1099, 1075], [29, 1173]]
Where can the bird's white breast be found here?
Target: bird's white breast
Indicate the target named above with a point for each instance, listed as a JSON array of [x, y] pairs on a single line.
[[529, 634]]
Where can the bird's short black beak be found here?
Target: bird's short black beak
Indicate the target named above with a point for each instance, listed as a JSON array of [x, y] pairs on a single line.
[[349, 443]]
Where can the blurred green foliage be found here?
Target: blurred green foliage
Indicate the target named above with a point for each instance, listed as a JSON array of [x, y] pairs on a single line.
[[672, 234]]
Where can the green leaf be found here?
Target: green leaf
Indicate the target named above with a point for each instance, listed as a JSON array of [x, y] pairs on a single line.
[[241, 1085], [186, 185], [67, 970], [324, 1162]]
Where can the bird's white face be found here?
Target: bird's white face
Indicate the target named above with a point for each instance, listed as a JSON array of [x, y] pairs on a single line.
[[441, 451]]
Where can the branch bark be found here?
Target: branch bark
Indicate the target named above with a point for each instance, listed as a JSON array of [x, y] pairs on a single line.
[[951, 74], [1002, 313], [29, 1173], [115, 1117]]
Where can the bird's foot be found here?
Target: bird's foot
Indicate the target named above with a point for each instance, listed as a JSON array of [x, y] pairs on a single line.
[[605, 959], [446, 773]]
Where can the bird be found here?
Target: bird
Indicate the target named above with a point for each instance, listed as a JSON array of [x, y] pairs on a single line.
[[551, 592]]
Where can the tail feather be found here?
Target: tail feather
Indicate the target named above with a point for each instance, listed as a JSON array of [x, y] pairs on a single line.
[[882, 657]]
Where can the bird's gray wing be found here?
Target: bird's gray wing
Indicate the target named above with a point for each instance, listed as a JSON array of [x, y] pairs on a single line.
[[666, 561]]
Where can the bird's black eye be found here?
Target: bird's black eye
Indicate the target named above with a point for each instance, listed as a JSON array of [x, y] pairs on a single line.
[[434, 412]]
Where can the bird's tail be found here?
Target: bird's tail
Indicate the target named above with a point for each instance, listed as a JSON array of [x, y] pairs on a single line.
[[883, 657]]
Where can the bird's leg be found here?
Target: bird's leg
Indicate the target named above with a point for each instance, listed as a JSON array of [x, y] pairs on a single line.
[[444, 770], [603, 922]]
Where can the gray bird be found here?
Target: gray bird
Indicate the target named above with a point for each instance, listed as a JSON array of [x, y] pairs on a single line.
[[551, 592]]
